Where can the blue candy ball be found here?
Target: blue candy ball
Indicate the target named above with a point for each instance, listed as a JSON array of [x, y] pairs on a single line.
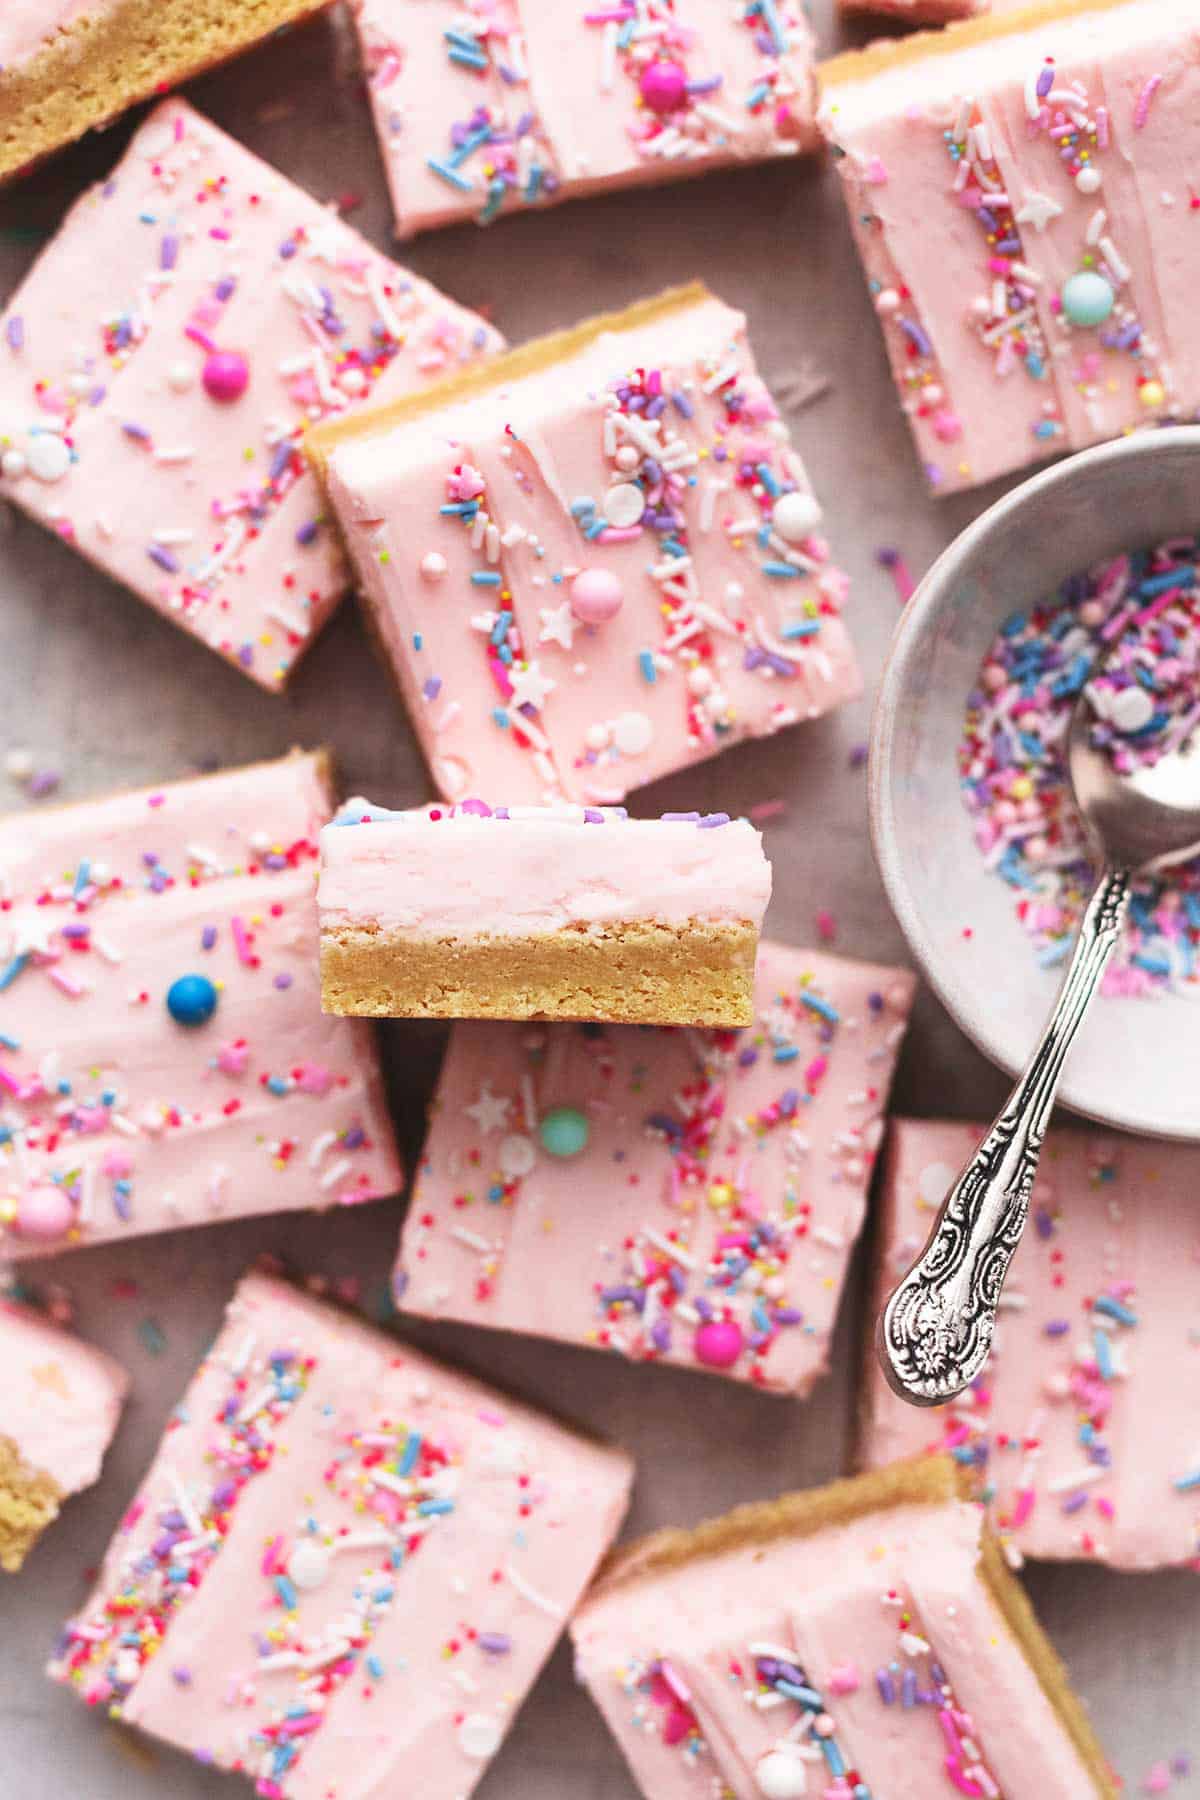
[[1087, 298], [192, 1000], [564, 1131]]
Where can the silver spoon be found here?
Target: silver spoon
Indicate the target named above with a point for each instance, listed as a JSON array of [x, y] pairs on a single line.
[[936, 1330]]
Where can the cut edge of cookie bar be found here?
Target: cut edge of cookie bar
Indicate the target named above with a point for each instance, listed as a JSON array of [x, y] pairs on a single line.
[[108, 60], [892, 53], [497, 371], [29, 1504], [919, 1481], [643, 972]]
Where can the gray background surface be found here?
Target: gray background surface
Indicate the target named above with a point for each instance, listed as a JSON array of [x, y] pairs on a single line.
[[99, 687]]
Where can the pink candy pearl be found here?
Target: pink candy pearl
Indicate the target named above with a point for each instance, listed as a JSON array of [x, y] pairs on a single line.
[[663, 86], [719, 1343], [45, 1212], [226, 375], [596, 596]]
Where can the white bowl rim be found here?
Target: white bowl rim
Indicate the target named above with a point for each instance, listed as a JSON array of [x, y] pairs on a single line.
[[926, 602]]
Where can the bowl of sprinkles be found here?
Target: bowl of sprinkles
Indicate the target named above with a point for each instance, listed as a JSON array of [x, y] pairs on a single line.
[[1084, 581]]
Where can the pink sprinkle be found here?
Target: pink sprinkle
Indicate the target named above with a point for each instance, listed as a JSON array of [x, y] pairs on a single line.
[[273, 1558], [242, 940], [766, 809], [1026, 1499], [64, 981], [826, 927], [1141, 111], [619, 534]]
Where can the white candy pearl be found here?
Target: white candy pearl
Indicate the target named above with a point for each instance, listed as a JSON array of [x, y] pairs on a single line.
[[479, 1736], [780, 1776], [1130, 709], [180, 377], [434, 566], [18, 765], [624, 505], [699, 680], [632, 733], [516, 1156], [308, 1565], [1089, 179], [48, 457], [597, 737], [627, 457], [13, 465], [795, 517]]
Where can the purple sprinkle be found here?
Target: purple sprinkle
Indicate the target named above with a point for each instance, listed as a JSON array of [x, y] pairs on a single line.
[[245, 655], [1075, 1503], [354, 1139], [44, 781], [908, 1688], [886, 1686], [283, 980], [225, 288], [787, 1315], [711, 820], [660, 1334], [496, 1643], [159, 554], [432, 687], [399, 1285], [279, 461], [14, 331], [1045, 82], [181, 1677], [208, 937], [1057, 1327], [688, 818], [136, 431], [168, 252]]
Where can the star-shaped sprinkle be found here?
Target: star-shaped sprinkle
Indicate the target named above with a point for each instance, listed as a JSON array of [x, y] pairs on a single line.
[[490, 1111], [1039, 211], [530, 687], [558, 625]]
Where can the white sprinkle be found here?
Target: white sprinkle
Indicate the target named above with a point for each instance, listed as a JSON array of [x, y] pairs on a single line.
[[530, 1593]]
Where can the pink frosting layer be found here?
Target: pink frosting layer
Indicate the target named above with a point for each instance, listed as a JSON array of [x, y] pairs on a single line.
[[991, 370], [114, 1118], [27, 26], [1082, 1428], [454, 873], [890, 1625], [158, 367], [724, 1173], [485, 107], [373, 1554], [469, 526], [60, 1399]]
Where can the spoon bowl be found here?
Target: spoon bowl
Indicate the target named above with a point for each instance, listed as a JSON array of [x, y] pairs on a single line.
[[1147, 820]]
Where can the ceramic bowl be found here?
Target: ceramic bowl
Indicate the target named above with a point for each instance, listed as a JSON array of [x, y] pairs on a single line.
[[1136, 1063]]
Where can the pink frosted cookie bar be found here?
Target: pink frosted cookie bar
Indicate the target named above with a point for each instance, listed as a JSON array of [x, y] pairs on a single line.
[[1081, 1434], [674, 1196], [60, 1400], [863, 1641], [161, 361], [346, 1564], [1020, 193], [489, 107], [563, 912], [595, 560], [163, 1057]]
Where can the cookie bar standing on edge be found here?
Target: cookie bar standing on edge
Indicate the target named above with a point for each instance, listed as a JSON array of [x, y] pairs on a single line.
[[540, 913], [1081, 1434], [163, 1057], [69, 65], [594, 560], [370, 1553], [488, 107], [863, 1640], [1020, 194], [161, 360], [60, 1400], [673, 1196]]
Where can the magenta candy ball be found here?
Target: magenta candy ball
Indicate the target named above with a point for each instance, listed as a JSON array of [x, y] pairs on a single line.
[[596, 596], [226, 375], [45, 1212], [663, 86], [719, 1343]]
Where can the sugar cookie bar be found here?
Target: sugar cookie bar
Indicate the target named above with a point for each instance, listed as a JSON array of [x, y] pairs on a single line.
[[60, 1400], [161, 361], [1019, 189], [69, 65], [864, 1641], [1081, 1434], [594, 560], [163, 1056], [540, 913], [370, 1554], [486, 108], [669, 1196]]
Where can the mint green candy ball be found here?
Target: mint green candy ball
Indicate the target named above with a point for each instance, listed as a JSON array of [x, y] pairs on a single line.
[[564, 1131], [1087, 298]]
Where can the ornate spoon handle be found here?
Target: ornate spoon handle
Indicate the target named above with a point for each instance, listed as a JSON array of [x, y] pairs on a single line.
[[936, 1330]]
